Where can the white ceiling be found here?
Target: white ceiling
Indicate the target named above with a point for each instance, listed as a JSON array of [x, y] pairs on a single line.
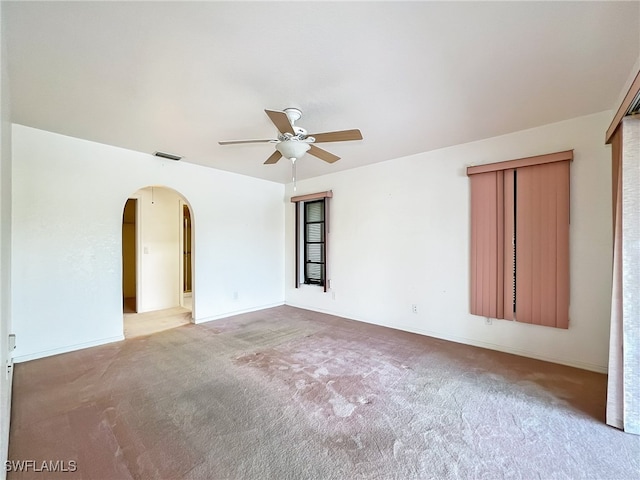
[[414, 77]]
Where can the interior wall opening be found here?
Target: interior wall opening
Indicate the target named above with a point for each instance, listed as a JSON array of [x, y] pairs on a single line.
[[129, 256], [187, 277], [157, 261]]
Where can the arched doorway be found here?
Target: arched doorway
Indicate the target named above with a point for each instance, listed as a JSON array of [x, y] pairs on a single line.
[[157, 261]]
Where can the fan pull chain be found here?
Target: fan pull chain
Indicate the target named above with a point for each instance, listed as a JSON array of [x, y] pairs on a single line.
[[293, 172]]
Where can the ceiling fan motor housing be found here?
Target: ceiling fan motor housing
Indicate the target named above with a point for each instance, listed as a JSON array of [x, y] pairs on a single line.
[[294, 114], [300, 134]]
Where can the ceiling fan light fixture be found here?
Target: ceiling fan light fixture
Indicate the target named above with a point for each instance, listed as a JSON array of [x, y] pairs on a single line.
[[292, 149]]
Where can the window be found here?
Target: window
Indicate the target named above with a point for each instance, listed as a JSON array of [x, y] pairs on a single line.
[[520, 239], [311, 238], [314, 251]]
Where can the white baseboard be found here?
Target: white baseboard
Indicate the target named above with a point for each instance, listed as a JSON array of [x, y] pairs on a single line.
[[469, 341], [103, 341], [506, 349], [236, 312], [66, 349], [5, 417]]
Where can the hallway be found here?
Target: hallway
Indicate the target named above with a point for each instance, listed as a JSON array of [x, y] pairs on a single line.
[[140, 324]]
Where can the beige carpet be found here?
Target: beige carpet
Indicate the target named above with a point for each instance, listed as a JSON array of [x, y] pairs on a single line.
[[289, 394], [138, 324]]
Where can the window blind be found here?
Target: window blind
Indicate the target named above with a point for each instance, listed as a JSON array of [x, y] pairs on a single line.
[[520, 240]]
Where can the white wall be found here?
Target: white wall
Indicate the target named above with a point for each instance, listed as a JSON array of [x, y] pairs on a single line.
[[160, 228], [400, 236], [5, 248], [68, 199]]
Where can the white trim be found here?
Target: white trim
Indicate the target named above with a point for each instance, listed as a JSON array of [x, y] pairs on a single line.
[[138, 246], [181, 204], [66, 349], [468, 341], [236, 312], [5, 427]]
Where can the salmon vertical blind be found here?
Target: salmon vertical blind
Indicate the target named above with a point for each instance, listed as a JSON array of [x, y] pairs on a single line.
[[487, 244], [520, 239]]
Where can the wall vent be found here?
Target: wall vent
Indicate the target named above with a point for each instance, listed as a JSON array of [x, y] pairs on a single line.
[[170, 156]]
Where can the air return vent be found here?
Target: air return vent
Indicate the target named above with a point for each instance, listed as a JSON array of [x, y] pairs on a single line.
[[169, 156]]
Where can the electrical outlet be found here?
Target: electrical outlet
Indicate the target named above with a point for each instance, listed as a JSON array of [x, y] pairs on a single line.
[[235, 295], [414, 308]]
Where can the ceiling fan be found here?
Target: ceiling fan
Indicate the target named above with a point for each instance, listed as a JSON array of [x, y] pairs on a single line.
[[293, 141]]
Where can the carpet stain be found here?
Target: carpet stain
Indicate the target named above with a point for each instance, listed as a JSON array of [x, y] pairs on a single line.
[[287, 393], [341, 407], [335, 379]]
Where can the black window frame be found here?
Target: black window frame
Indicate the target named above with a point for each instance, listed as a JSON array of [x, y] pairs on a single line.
[[300, 254], [308, 280]]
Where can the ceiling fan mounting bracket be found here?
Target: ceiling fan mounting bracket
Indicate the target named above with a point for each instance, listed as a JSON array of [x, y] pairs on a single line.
[[293, 114]]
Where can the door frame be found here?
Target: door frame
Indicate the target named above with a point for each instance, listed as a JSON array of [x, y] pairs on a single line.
[[138, 247], [182, 203]]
